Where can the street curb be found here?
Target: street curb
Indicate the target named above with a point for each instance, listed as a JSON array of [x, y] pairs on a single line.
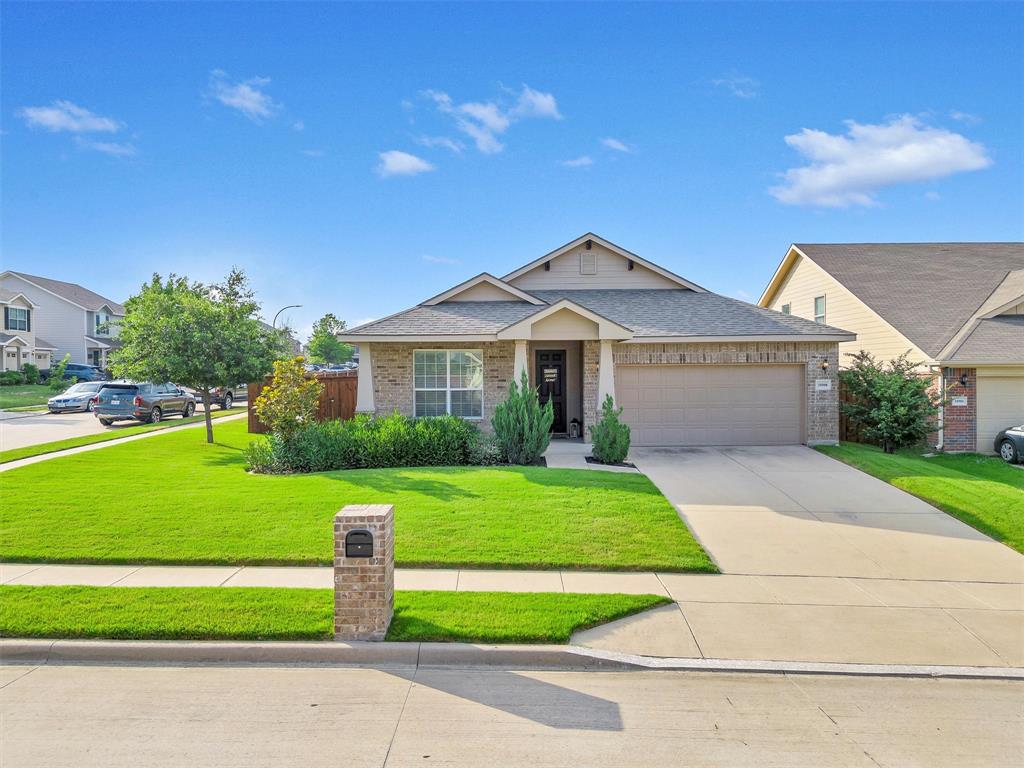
[[440, 655]]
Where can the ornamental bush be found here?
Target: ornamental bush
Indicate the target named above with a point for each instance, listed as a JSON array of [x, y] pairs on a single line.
[[11, 378], [521, 425], [31, 373], [365, 442], [290, 401], [890, 402], [610, 436]]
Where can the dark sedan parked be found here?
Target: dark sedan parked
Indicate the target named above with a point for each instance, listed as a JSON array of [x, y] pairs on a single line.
[[1009, 444], [142, 402]]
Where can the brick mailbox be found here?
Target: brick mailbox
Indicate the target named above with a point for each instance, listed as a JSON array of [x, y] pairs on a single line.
[[364, 571]]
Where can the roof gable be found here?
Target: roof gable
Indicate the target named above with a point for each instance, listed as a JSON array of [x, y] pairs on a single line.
[[483, 287], [926, 291], [72, 293], [605, 328], [586, 243]]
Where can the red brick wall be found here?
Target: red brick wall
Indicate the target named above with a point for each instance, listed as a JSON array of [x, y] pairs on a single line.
[[960, 421]]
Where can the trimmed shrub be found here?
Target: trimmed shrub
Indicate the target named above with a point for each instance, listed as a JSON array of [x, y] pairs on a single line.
[[11, 378], [365, 442], [31, 373], [610, 436], [290, 401], [521, 426]]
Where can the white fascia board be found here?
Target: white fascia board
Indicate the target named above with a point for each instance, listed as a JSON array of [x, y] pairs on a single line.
[[483, 277], [780, 272], [764, 337], [614, 249], [21, 296]]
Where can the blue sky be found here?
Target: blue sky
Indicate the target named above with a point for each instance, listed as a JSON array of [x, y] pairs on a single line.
[[360, 158]]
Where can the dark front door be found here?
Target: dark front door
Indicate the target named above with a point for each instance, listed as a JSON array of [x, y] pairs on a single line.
[[550, 379]]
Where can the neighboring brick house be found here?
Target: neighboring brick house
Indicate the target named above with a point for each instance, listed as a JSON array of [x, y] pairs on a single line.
[[74, 320], [590, 319], [957, 308]]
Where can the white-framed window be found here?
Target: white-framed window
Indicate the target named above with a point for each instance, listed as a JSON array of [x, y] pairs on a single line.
[[102, 329], [819, 309], [448, 381], [787, 309], [17, 319]]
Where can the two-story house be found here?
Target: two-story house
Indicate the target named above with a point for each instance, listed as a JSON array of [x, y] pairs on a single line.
[[44, 319], [956, 308]]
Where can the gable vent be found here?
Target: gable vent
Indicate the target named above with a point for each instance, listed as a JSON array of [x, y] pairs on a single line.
[[588, 263]]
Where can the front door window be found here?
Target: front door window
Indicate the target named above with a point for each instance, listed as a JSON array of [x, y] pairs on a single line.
[[550, 381]]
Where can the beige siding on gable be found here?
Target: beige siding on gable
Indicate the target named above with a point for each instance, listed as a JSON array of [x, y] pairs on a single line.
[[612, 272], [1017, 310], [806, 280], [564, 324], [483, 292]]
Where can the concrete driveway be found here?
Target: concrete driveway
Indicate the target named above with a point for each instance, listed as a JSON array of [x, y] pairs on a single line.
[[18, 430], [791, 511]]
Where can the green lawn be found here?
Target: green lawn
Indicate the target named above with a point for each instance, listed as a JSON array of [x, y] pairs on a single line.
[[24, 394], [175, 499], [222, 613], [113, 433], [983, 491]]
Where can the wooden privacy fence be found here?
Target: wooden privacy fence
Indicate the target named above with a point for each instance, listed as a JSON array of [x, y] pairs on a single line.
[[337, 401]]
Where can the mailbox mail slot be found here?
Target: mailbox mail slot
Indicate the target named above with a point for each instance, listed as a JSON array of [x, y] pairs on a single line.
[[359, 544]]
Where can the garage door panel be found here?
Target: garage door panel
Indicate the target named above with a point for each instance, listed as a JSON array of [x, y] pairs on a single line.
[[712, 405], [1000, 405]]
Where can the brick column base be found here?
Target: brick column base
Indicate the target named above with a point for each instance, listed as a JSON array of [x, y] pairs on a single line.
[[364, 587]]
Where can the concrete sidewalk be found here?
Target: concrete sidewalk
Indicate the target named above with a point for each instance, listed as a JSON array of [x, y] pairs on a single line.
[[775, 618]]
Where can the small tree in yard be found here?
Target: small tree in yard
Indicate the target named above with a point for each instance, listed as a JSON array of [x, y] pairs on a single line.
[[889, 401], [323, 344], [610, 436], [56, 381], [521, 425], [290, 400], [195, 335]]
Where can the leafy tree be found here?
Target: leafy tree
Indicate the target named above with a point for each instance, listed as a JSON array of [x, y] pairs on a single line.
[[198, 336], [521, 425], [889, 401], [323, 344], [610, 436], [291, 400], [55, 381]]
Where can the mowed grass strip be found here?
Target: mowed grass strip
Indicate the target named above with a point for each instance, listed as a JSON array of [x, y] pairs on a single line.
[[173, 499], [237, 613], [114, 433], [982, 491], [21, 395]]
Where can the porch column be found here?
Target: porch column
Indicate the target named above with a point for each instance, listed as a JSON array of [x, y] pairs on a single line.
[[605, 374], [519, 361], [364, 385]]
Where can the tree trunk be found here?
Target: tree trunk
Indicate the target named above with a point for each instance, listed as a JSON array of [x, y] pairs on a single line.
[[207, 409]]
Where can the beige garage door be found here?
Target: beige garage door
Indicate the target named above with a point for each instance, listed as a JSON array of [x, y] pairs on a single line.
[[712, 404], [1000, 405]]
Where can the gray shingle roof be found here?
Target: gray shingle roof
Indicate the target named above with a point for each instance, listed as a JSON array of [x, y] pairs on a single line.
[[927, 291], [995, 340], [74, 293], [647, 312], [6, 337], [43, 344]]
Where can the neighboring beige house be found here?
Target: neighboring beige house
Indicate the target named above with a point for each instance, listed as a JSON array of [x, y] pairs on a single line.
[[957, 308], [72, 319], [590, 319]]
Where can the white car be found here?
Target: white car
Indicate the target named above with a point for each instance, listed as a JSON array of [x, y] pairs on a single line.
[[77, 397]]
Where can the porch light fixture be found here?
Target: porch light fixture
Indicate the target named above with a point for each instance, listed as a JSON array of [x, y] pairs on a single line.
[[963, 379], [824, 365]]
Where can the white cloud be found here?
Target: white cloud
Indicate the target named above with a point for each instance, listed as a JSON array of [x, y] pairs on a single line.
[[112, 148], [439, 260], [743, 295], [313, 152], [484, 122], [931, 194], [299, 125], [848, 169], [965, 117], [740, 86], [440, 141], [618, 146], [579, 162], [247, 96], [396, 163], [65, 115]]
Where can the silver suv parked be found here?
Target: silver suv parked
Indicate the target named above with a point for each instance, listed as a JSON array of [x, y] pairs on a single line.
[[142, 402]]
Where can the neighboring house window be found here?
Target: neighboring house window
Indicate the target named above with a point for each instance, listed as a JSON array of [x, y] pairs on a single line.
[[786, 309], [819, 309], [17, 319], [102, 329], [448, 381]]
